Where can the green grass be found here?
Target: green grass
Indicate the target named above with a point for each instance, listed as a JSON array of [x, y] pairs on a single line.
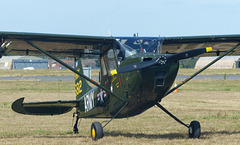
[[42, 72], [65, 72], [211, 85], [37, 72], [35, 86], [223, 115], [41, 86], [185, 71]]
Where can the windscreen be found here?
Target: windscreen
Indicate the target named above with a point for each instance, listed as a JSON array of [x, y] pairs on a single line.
[[128, 46]]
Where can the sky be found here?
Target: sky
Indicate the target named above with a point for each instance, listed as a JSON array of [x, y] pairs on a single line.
[[122, 17]]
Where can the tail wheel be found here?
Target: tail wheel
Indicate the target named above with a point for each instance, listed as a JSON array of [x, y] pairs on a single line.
[[194, 129], [97, 131]]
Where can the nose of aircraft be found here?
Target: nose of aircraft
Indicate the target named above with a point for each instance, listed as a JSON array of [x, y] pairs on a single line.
[[156, 75], [159, 78]]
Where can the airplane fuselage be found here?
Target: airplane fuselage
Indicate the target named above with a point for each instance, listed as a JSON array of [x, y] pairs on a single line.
[[142, 88]]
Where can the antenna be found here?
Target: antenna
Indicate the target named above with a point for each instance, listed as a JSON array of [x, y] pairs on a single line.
[[140, 44], [109, 33]]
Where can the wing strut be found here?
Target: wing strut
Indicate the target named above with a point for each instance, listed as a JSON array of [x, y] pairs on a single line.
[[198, 72], [75, 71]]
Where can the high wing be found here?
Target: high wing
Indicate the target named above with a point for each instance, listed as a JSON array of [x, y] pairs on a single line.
[[219, 43], [76, 45], [44, 108], [58, 45]]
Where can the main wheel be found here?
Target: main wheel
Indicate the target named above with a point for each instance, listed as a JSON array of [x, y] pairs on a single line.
[[97, 131], [194, 129]]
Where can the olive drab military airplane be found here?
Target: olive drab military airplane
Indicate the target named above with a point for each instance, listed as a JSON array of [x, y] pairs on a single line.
[[136, 73]]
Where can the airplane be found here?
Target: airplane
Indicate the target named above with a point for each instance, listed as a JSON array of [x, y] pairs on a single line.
[[136, 73]]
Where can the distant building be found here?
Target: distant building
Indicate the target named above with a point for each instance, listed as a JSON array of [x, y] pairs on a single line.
[[85, 62], [227, 62], [32, 62], [6, 61], [56, 65], [89, 63], [23, 62], [29, 64], [238, 64]]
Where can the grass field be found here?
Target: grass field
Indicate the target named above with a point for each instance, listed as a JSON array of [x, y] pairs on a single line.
[[214, 103], [64, 72], [41, 72], [184, 71]]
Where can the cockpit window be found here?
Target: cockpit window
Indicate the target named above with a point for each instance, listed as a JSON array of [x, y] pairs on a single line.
[[123, 51], [110, 59]]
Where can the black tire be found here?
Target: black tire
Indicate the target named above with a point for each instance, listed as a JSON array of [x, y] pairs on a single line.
[[194, 129], [97, 131]]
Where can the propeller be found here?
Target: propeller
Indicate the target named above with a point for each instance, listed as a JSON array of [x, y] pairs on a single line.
[[189, 54], [161, 60]]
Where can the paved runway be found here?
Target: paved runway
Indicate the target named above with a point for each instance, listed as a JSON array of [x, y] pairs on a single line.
[[71, 78]]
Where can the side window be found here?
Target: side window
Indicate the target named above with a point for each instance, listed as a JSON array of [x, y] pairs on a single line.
[[103, 67], [111, 62]]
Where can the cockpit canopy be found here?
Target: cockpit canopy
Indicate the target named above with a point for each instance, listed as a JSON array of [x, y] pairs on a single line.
[[128, 46]]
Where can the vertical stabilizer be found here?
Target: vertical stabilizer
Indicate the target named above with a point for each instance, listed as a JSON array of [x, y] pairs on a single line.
[[81, 85]]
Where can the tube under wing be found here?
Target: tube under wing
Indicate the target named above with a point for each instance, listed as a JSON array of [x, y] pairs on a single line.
[[44, 108]]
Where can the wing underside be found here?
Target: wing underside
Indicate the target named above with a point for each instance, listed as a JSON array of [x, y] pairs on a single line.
[[44, 108], [219, 43]]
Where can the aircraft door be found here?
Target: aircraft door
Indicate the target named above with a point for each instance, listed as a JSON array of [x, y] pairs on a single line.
[[114, 81], [108, 63]]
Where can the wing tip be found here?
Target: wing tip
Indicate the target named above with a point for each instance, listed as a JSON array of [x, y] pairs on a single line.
[[34, 109]]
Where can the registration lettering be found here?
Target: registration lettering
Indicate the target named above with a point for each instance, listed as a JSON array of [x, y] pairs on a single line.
[[89, 101]]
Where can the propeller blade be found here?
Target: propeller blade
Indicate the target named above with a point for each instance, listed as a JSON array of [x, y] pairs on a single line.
[[135, 66], [188, 54], [140, 65], [161, 60]]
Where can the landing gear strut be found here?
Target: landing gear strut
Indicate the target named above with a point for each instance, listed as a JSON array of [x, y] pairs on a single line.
[[97, 130], [194, 129], [75, 127]]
